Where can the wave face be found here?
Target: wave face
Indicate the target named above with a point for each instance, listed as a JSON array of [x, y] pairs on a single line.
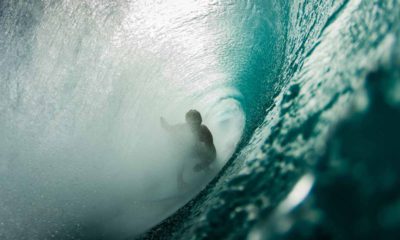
[[284, 87]]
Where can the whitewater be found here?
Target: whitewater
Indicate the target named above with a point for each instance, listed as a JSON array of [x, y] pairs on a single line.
[[297, 95]]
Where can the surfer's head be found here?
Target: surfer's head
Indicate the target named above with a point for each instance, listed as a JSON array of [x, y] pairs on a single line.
[[193, 117]]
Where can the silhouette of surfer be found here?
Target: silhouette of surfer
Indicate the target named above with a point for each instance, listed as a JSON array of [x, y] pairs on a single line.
[[200, 141]]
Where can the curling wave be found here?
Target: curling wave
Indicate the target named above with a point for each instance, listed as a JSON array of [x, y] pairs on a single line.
[[83, 85]]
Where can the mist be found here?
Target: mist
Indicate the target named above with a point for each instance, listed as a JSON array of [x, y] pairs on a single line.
[[83, 86]]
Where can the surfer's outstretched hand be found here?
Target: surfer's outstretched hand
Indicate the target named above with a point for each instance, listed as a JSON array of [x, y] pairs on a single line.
[[163, 123]]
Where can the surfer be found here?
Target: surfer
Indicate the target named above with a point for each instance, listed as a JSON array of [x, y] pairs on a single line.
[[202, 149]]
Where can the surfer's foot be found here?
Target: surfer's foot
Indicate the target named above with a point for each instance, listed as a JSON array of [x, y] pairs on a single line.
[[198, 167]]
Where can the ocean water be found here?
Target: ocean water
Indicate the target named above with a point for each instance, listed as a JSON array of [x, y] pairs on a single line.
[[302, 98]]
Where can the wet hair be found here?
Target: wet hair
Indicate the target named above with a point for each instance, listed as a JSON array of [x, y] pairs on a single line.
[[193, 116]]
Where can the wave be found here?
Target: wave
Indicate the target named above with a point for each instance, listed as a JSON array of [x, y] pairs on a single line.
[[84, 84], [83, 87]]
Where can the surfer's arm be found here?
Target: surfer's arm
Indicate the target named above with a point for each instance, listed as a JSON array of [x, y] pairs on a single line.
[[206, 140], [164, 124], [168, 127]]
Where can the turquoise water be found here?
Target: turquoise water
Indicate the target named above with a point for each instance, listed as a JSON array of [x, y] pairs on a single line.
[[302, 98]]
